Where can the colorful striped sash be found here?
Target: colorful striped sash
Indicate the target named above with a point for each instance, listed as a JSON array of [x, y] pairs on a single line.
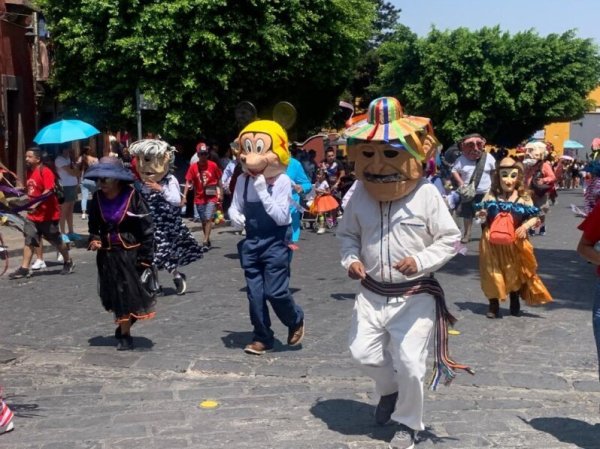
[[443, 364]]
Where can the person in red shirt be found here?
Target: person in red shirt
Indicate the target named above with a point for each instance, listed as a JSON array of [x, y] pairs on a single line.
[[43, 218], [205, 177], [589, 249]]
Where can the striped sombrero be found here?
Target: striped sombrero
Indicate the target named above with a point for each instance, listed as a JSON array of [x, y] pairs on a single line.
[[387, 123]]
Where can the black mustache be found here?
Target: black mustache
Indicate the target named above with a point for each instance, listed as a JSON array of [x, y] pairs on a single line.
[[382, 179]]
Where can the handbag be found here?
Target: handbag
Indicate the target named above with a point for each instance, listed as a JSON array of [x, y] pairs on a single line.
[[468, 191], [502, 230], [539, 189], [212, 190]]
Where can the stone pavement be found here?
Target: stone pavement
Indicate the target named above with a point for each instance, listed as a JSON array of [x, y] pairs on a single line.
[[536, 384]]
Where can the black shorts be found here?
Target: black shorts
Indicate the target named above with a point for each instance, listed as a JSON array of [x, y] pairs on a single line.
[[34, 231]]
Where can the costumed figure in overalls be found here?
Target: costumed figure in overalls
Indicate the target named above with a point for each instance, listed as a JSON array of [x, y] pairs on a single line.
[[261, 206], [395, 233], [175, 245], [507, 265]]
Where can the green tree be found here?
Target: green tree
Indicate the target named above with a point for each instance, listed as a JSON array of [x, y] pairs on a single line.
[[488, 81], [385, 27], [196, 59]]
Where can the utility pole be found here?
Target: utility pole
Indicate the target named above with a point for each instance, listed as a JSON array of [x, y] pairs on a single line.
[[138, 111]]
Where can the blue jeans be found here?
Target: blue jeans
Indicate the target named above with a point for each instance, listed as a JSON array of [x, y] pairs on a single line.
[[596, 322], [87, 186]]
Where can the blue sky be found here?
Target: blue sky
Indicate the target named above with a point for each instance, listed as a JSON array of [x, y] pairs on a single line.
[[544, 16]]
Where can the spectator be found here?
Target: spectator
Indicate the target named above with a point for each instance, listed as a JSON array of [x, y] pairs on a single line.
[[44, 218], [310, 166], [472, 147], [334, 168], [68, 174], [205, 177], [87, 186]]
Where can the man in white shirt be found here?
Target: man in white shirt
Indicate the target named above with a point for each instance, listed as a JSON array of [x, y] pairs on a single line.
[[68, 174], [473, 148], [396, 231]]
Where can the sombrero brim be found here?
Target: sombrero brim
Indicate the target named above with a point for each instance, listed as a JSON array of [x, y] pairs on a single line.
[[101, 170], [394, 132]]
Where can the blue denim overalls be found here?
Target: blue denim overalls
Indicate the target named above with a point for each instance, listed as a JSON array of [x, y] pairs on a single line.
[[264, 256]]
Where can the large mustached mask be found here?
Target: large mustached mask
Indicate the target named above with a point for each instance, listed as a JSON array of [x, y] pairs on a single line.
[[388, 150], [153, 158]]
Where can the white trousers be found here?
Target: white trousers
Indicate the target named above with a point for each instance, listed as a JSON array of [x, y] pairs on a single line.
[[389, 340]]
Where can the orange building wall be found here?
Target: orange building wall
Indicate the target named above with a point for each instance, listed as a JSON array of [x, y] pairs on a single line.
[[557, 133], [595, 95]]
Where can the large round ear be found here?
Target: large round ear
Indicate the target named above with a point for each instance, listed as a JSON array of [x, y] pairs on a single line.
[[245, 113], [285, 114]]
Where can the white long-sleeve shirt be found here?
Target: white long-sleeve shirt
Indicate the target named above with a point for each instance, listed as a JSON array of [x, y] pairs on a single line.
[[380, 234], [276, 204], [170, 190]]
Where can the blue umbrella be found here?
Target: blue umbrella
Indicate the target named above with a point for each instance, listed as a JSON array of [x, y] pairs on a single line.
[[572, 144], [65, 131]]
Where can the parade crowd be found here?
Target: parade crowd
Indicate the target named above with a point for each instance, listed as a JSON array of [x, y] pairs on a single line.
[[395, 203]]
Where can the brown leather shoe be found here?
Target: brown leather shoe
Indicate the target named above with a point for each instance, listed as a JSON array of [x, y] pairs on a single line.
[[296, 334], [256, 348]]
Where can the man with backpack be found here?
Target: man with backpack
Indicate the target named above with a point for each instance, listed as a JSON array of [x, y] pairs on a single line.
[[43, 216], [472, 174]]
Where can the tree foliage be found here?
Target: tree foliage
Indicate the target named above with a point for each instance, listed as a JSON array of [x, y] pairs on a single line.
[[488, 81], [196, 59], [385, 27]]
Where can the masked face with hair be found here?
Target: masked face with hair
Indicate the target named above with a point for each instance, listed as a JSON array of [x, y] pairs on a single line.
[[473, 147], [509, 178], [389, 150], [535, 152], [153, 158], [263, 148]]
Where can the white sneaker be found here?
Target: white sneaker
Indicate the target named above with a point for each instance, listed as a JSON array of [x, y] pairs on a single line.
[[60, 258], [321, 230], [84, 216], [39, 264]]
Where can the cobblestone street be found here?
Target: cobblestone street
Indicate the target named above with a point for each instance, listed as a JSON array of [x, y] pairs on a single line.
[[536, 382]]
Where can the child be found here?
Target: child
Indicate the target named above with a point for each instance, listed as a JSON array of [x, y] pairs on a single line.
[[122, 233], [323, 202]]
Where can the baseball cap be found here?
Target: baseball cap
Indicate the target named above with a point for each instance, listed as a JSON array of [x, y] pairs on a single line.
[[201, 148]]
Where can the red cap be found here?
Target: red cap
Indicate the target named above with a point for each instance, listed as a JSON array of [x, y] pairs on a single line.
[[201, 146]]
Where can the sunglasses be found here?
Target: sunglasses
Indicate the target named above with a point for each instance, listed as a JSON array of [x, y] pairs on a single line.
[[106, 179]]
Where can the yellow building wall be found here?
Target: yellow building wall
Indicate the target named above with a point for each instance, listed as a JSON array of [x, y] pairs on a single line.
[[595, 95], [557, 133]]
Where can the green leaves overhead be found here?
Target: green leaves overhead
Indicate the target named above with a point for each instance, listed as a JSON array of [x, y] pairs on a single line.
[[503, 86], [196, 59]]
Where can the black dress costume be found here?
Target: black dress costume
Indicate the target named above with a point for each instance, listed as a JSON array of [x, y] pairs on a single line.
[[124, 226], [175, 244]]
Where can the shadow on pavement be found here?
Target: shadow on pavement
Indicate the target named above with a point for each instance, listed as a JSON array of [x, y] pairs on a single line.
[[559, 269], [350, 417], [568, 430], [239, 340], [343, 296], [478, 308], [22, 410], [138, 342]]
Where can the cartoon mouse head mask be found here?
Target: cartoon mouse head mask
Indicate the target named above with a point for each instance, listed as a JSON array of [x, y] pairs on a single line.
[[388, 150], [264, 149]]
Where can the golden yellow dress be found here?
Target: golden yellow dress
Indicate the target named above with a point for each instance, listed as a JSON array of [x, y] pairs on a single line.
[[510, 268]]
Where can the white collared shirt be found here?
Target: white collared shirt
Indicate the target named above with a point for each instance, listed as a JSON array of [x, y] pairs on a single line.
[[276, 204], [380, 234]]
